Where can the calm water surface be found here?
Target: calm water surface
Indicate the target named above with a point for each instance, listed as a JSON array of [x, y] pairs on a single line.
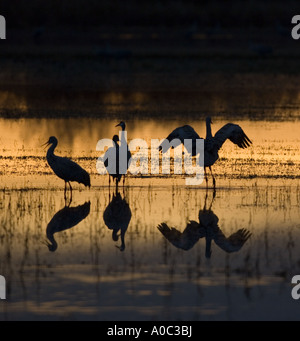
[[64, 262]]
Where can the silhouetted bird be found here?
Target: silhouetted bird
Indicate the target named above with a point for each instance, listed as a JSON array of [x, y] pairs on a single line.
[[65, 219], [64, 168], [124, 145], [117, 216], [113, 154], [212, 144]]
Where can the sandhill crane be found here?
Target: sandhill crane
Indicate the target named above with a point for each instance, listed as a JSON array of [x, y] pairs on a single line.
[[113, 154], [64, 219], [117, 216], [209, 229], [212, 144], [64, 168], [124, 144]]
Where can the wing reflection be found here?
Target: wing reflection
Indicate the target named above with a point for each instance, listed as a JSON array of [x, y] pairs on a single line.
[[65, 219], [183, 240], [207, 228], [117, 216]]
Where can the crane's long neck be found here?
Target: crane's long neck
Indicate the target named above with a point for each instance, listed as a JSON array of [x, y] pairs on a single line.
[[208, 130], [50, 152], [123, 138]]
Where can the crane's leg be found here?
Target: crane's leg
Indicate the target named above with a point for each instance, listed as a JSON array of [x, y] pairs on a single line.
[[214, 195], [65, 192], [206, 179], [205, 200], [213, 198], [214, 181], [123, 180], [70, 191], [123, 192]]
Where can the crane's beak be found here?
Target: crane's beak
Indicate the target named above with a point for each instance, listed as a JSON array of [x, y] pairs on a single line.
[[46, 144], [118, 125]]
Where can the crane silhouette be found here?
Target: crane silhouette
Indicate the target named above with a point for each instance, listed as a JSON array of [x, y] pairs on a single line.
[[123, 145], [65, 219], [65, 168], [212, 144], [113, 154], [207, 228], [117, 216]]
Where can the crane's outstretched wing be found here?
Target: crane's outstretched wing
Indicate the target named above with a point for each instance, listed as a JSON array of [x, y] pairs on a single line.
[[234, 133], [180, 134], [183, 240], [234, 242]]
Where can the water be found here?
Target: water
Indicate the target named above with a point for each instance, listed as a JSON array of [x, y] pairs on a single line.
[[75, 71], [85, 274]]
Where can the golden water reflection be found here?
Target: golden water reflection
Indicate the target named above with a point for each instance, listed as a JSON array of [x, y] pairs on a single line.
[[151, 278]]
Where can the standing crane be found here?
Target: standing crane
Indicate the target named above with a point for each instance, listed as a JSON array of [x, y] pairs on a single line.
[[65, 168], [113, 154], [123, 144]]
